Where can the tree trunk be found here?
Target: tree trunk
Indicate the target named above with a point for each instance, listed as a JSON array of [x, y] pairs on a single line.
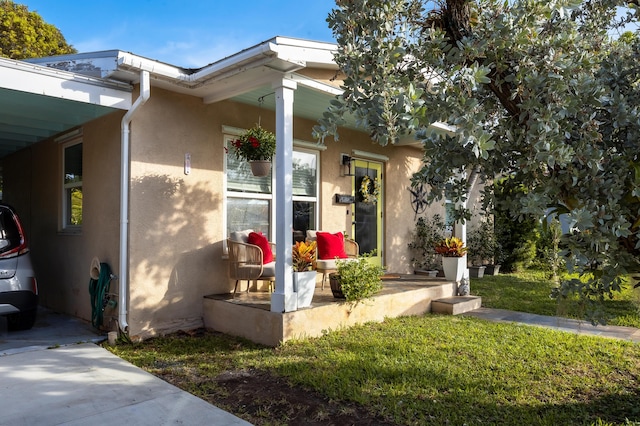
[[456, 21], [456, 17]]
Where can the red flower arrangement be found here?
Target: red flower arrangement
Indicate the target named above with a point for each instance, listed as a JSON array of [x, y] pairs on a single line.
[[255, 144]]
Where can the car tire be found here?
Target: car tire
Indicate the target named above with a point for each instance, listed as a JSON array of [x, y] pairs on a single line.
[[22, 320]]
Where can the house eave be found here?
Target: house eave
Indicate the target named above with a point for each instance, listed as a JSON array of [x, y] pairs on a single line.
[[280, 54], [46, 81]]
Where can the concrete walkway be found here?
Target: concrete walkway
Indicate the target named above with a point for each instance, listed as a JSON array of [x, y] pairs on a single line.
[[54, 375], [564, 324]]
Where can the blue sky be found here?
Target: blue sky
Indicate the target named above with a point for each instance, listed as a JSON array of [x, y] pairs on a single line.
[[186, 33]]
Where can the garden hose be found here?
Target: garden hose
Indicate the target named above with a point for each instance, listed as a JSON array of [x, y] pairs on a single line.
[[98, 289]]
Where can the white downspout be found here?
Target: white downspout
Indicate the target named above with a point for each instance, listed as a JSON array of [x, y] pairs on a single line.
[[123, 276]]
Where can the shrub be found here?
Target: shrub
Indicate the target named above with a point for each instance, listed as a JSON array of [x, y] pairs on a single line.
[[517, 235], [482, 243], [359, 278], [428, 232]]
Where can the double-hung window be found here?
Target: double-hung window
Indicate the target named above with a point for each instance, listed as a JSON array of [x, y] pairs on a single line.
[[250, 202], [305, 192]]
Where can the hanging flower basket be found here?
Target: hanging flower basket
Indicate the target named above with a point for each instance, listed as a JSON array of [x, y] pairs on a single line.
[[256, 145], [260, 168]]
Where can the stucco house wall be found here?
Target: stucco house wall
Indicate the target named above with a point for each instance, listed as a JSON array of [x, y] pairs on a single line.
[[33, 185], [175, 225], [176, 233]]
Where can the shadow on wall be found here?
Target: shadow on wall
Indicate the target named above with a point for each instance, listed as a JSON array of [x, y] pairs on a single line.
[[172, 257], [401, 211]]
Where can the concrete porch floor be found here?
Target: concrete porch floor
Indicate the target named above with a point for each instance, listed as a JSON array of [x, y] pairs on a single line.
[[248, 315]]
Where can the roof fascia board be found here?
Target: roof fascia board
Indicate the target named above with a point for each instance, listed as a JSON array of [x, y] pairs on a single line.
[[316, 85], [230, 91], [136, 63], [253, 56], [256, 56], [31, 78], [300, 51]]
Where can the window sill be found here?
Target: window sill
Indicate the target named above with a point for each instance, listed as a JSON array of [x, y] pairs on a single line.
[[70, 231]]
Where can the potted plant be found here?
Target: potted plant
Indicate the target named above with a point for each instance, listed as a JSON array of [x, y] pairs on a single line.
[[427, 234], [356, 279], [454, 260], [257, 146], [483, 246], [304, 271]]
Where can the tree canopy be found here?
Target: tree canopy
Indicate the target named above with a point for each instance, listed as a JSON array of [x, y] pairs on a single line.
[[538, 91], [24, 34]]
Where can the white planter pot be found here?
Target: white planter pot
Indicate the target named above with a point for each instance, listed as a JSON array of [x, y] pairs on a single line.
[[454, 267], [476, 271], [304, 283]]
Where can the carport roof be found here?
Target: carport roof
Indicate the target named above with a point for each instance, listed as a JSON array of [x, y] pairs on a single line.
[[38, 102]]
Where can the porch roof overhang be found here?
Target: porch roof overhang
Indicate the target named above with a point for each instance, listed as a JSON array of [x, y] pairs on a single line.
[[38, 102], [247, 76]]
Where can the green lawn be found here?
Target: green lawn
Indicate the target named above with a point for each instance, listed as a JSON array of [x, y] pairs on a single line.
[[431, 369], [529, 291]]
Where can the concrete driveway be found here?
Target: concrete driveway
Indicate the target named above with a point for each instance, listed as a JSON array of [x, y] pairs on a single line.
[[55, 374]]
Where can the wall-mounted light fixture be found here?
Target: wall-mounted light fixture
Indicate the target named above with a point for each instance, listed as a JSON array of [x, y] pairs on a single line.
[[345, 162]]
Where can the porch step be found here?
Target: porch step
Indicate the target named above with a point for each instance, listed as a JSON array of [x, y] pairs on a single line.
[[456, 305]]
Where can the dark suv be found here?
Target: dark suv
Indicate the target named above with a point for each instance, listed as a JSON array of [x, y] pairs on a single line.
[[18, 286]]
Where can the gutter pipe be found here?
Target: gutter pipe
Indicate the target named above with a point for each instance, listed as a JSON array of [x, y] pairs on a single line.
[[123, 290]]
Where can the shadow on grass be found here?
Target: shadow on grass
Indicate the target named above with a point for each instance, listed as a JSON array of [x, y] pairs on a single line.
[[479, 395]]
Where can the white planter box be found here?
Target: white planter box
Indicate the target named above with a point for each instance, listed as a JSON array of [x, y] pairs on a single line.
[[454, 267], [304, 283]]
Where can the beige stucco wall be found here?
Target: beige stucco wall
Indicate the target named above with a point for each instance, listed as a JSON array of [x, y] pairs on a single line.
[[33, 184], [176, 220]]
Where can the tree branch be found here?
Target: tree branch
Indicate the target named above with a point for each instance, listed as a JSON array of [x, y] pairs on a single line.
[[455, 20]]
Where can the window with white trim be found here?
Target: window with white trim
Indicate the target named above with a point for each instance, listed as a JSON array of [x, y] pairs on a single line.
[[72, 184], [249, 199]]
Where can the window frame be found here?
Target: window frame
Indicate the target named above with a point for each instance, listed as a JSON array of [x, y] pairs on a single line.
[[229, 134], [66, 142]]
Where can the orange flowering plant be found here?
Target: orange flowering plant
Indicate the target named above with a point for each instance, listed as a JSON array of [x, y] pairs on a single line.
[[304, 256], [255, 144]]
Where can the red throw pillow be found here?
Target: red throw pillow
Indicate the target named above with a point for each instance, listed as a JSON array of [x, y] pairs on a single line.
[[257, 239], [330, 245]]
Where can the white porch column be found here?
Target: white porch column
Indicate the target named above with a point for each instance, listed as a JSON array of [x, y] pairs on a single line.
[[283, 299], [460, 229]]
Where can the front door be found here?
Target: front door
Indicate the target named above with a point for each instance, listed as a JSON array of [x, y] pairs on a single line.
[[367, 213]]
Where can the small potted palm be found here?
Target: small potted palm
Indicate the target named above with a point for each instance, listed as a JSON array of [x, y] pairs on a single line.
[[454, 257], [304, 271]]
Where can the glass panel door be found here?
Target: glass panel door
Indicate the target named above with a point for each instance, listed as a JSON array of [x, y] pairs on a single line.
[[367, 212]]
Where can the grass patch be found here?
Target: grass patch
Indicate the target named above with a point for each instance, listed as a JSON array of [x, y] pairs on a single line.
[[420, 370], [425, 370], [529, 291]]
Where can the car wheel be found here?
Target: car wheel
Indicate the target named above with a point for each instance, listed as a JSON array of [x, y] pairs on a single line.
[[22, 320]]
